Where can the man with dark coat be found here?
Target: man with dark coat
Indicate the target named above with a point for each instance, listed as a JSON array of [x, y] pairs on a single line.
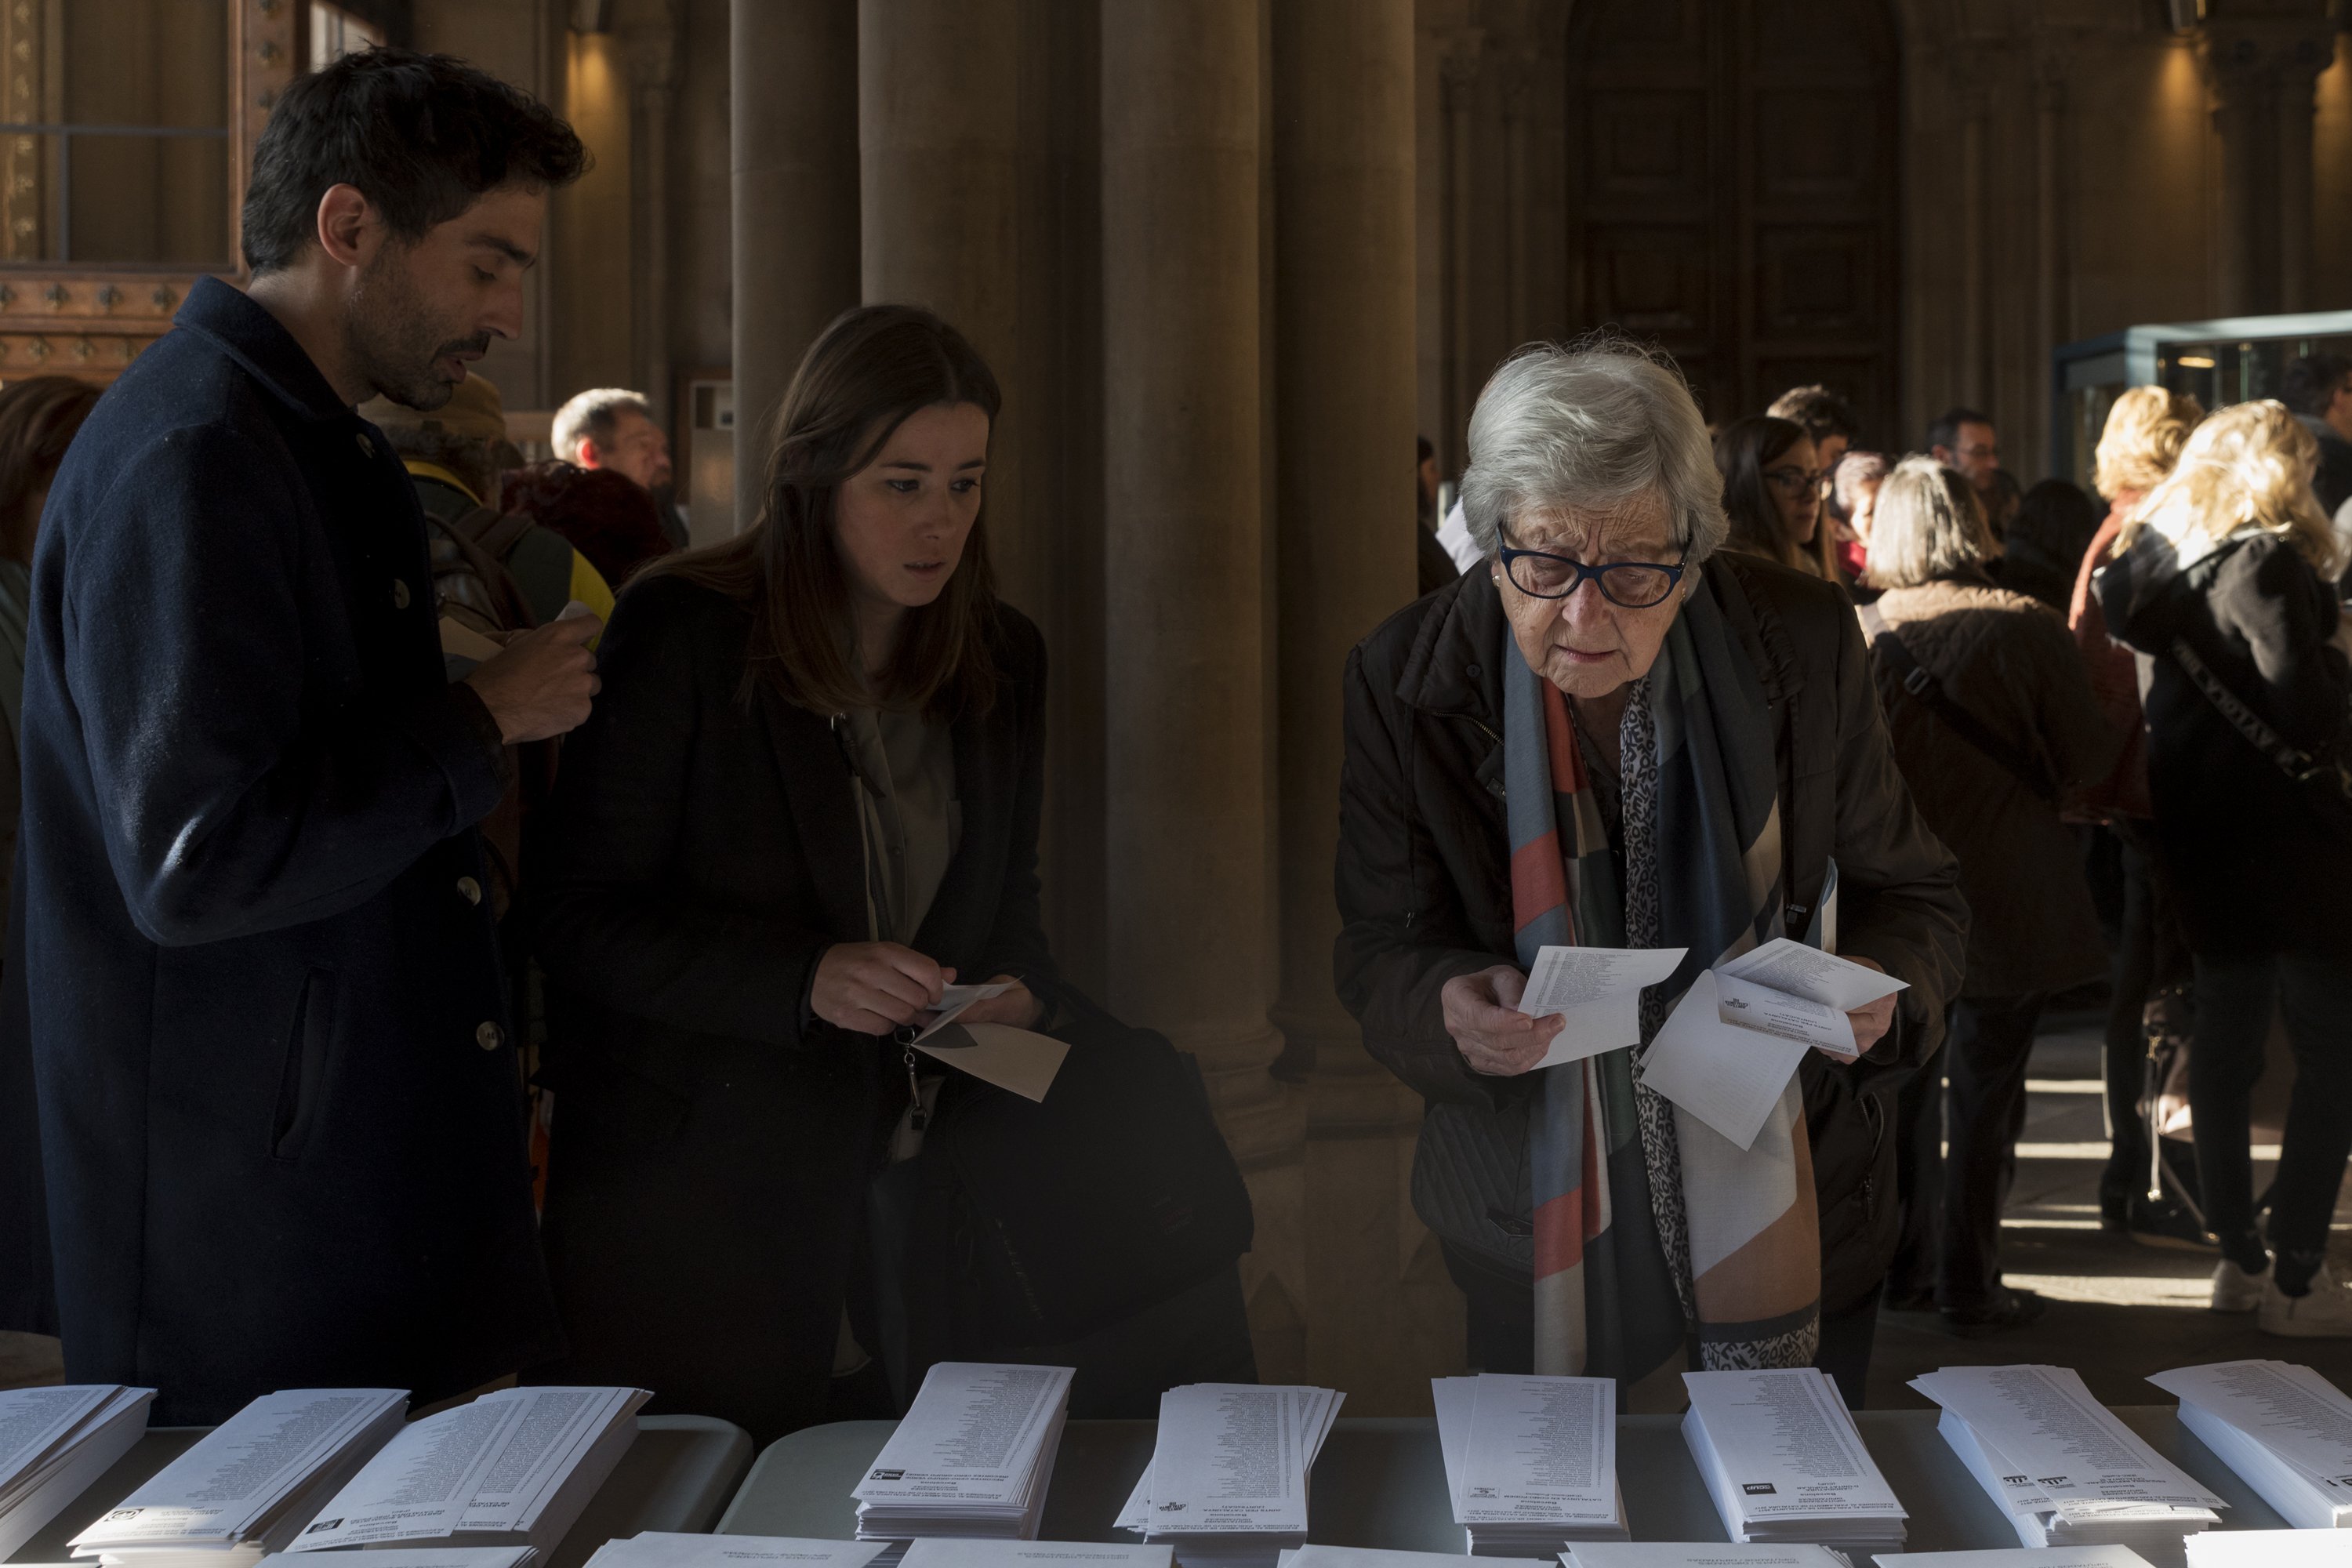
[[280, 1113]]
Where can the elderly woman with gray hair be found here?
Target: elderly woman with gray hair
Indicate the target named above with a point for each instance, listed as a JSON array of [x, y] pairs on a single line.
[[1612, 736]]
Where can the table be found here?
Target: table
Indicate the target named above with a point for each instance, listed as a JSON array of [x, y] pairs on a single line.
[[678, 1475], [1380, 1481]]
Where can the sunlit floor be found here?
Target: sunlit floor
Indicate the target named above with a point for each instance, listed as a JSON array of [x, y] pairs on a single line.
[[2118, 1310]]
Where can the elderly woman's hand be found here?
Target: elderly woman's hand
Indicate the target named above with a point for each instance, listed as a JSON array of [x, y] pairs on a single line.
[[1493, 1036], [1871, 1023]]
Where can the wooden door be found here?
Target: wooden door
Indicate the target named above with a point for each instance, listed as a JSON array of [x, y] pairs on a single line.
[[1733, 193]]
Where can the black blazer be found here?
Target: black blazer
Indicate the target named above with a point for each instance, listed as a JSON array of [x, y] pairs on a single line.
[[280, 1116], [712, 1143]]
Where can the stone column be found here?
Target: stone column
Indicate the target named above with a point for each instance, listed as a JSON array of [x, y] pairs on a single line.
[[2263, 68], [1188, 946], [938, 134], [1458, 69], [1344, 315], [793, 81], [653, 75]]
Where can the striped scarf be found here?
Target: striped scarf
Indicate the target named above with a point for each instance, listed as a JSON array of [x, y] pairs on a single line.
[[1647, 1221]]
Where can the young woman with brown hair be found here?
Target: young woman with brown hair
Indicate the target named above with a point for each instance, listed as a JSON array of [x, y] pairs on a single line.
[[807, 801], [1772, 493]]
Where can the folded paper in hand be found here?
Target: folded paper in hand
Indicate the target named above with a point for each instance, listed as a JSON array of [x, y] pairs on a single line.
[[1727, 1050], [1021, 1060], [1596, 994]]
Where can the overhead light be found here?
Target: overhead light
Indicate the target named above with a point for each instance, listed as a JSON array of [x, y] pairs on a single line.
[[2195, 362]]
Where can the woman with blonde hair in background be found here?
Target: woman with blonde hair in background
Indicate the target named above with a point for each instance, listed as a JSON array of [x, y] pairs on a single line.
[[2224, 586], [2138, 446], [1993, 724]]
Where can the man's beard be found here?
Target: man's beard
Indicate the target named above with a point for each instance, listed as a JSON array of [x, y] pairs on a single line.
[[395, 343]]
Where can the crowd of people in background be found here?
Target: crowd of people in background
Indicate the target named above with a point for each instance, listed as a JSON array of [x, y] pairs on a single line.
[[285, 677]]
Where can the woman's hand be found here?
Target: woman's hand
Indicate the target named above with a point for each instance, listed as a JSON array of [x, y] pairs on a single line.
[[1018, 1006], [1871, 1023], [1493, 1036], [872, 987]]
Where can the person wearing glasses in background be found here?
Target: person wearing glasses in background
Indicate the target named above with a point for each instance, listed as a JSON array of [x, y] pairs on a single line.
[[1585, 741], [1772, 476]]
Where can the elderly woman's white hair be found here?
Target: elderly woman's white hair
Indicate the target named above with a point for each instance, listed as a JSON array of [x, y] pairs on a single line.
[[1592, 426]]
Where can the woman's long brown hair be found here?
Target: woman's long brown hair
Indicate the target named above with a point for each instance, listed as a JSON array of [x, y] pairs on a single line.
[[861, 379], [1743, 451]]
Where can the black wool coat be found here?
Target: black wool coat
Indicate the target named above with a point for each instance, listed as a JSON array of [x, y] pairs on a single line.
[[713, 1140], [1424, 893], [279, 1111]]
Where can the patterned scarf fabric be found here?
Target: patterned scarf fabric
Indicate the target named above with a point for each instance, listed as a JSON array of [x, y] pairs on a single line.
[[1648, 1222]]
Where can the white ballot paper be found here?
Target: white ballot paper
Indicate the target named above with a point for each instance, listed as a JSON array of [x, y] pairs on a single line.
[[1702, 1554], [1023, 1553], [55, 1442], [2103, 1556], [2044, 1421], [2269, 1549], [428, 1557], [238, 1483], [1727, 1050], [1229, 1472], [1596, 992], [973, 1455], [1021, 1060], [1376, 1557], [666, 1549], [2283, 1428], [1540, 1450], [1783, 1462], [954, 999]]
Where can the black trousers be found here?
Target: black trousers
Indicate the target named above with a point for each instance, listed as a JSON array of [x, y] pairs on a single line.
[[2150, 954], [2233, 1020], [1988, 1042], [1501, 1327], [1918, 1180]]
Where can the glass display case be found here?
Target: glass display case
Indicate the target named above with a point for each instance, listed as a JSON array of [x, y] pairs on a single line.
[[2217, 363]]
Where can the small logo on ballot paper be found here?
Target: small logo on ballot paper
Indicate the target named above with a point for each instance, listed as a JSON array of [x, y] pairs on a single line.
[[1735, 1004], [2013, 1480], [886, 1476], [1758, 1488], [2051, 1481], [1173, 1507], [121, 1515], [322, 1524]]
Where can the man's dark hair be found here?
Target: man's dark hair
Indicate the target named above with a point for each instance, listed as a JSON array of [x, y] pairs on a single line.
[[2313, 382], [1820, 411], [422, 136], [1946, 430]]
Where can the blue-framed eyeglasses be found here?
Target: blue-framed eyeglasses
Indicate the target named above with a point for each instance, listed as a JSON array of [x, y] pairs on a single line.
[[1628, 584]]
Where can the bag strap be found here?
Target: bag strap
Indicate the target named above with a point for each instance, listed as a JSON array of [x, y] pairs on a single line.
[[2292, 760], [495, 532], [1921, 682]]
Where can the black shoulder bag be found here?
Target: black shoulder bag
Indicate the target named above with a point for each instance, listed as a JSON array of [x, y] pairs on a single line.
[[2324, 778], [1921, 682], [1026, 1224]]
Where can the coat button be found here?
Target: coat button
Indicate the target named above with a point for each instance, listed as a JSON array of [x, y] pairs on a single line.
[[367, 447], [489, 1036], [399, 594], [470, 890]]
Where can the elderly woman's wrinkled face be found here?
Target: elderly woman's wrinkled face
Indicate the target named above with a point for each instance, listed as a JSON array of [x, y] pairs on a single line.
[[1584, 644]]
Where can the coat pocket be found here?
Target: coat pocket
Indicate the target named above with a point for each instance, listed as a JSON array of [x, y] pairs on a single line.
[[301, 1079]]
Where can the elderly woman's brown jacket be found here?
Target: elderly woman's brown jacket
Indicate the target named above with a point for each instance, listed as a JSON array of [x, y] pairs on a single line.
[[2012, 663], [1425, 894]]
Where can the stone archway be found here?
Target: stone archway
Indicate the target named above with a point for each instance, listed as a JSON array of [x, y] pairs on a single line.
[[1733, 170]]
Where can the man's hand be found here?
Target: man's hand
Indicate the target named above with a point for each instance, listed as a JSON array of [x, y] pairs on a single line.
[[1493, 1036], [1018, 1006], [1870, 1022], [540, 685], [872, 987]]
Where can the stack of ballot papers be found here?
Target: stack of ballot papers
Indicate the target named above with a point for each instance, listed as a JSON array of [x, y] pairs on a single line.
[[1727, 1050], [1531, 1462], [512, 1469], [2286, 1430], [54, 1445], [1376, 1557], [1033, 1554], [248, 1486], [1703, 1555], [2019, 1557], [972, 1457], [1227, 1481], [2267, 1549], [663, 1549], [2067, 1472], [1781, 1458], [426, 1557]]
